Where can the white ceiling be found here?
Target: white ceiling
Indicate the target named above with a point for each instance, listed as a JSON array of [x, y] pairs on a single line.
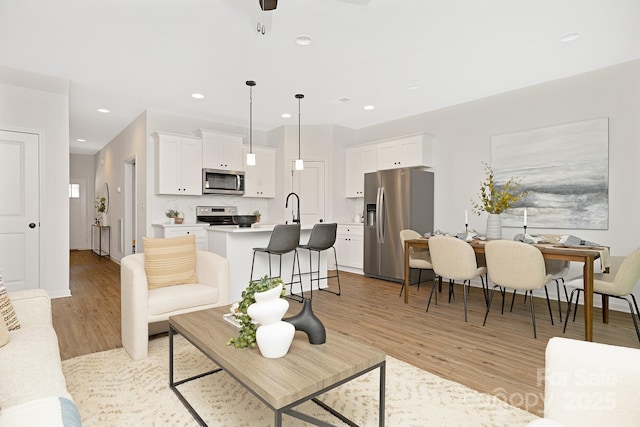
[[132, 55]]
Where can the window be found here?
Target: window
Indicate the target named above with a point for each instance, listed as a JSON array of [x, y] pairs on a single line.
[[74, 191]]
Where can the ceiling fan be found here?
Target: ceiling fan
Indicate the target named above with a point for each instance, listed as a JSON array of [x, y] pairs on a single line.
[[267, 5]]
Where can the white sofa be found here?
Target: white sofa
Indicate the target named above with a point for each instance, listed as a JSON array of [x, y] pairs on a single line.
[[590, 384], [145, 312], [33, 390]]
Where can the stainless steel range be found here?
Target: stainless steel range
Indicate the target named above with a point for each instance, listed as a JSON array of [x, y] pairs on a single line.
[[216, 215]]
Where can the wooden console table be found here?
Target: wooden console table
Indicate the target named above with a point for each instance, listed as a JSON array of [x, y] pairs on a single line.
[[587, 257]]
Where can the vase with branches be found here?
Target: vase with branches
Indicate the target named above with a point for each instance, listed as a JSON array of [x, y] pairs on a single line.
[[495, 199]]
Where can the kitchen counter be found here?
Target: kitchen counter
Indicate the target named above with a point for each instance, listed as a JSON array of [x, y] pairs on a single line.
[[236, 244], [255, 228]]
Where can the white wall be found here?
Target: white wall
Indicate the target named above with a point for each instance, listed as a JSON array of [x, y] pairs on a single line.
[[81, 167], [464, 131], [109, 164], [41, 104]]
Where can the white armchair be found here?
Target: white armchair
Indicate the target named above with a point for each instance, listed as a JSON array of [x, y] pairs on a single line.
[[146, 312], [590, 384]]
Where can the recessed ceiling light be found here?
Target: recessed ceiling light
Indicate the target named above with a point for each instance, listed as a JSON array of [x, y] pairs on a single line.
[[286, 115], [569, 37], [413, 87], [197, 95], [304, 40], [369, 107], [103, 110], [81, 140]]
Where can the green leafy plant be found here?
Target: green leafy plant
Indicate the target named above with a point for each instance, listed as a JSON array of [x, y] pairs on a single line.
[[100, 204], [496, 199], [247, 336], [171, 213]]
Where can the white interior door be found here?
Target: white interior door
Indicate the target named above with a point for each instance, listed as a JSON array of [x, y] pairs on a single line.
[[309, 184], [19, 210], [78, 226]]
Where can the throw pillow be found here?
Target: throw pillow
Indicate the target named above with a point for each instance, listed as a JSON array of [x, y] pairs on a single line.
[[170, 261], [4, 334], [6, 309]]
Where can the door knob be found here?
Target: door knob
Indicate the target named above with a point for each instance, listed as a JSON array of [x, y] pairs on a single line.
[[32, 225]]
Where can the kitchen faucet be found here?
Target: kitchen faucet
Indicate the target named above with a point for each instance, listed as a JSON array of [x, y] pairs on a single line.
[[286, 205]]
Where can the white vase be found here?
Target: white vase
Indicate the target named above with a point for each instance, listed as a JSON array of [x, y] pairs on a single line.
[[105, 219], [273, 336], [494, 227]]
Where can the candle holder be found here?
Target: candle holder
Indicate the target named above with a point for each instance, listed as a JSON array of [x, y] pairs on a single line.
[[525, 229], [466, 228]]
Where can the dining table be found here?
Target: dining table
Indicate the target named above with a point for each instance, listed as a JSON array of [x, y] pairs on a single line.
[[586, 256]]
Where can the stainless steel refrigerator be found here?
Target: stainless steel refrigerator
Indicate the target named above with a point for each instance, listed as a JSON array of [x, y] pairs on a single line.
[[394, 200]]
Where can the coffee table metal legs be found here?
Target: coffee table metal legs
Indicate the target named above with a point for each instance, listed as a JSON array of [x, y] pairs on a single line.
[[287, 409]]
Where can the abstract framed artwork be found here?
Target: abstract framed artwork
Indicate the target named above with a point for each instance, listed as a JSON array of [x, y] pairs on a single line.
[[565, 171]]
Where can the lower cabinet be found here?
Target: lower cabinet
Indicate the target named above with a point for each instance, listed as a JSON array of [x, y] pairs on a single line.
[[166, 231], [349, 246]]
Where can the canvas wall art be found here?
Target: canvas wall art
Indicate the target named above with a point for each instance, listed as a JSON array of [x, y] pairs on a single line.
[[564, 169]]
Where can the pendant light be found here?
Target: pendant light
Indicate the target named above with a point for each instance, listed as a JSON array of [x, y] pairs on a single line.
[[299, 162], [251, 157]]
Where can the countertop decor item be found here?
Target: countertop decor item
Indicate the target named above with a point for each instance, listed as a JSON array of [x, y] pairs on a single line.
[[309, 323], [247, 335], [244, 220]]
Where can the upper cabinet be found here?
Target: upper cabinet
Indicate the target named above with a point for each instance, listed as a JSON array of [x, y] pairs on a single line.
[[405, 152], [260, 179], [221, 150], [178, 164], [357, 162]]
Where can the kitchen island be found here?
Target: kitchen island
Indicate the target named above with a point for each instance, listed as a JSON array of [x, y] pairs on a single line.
[[237, 243]]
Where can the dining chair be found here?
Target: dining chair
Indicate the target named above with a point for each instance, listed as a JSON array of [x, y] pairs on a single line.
[[559, 270], [419, 259], [518, 266], [618, 283], [454, 259]]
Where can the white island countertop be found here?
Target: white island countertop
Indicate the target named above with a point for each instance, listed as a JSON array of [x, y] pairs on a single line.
[[255, 228], [237, 243]]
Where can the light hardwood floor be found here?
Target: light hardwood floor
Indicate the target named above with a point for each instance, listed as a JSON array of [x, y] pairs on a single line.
[[501, 358]]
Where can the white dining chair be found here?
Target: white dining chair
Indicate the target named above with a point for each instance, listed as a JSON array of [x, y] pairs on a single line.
[[518, 266], [454, 259], [618, 283], [419, 259]]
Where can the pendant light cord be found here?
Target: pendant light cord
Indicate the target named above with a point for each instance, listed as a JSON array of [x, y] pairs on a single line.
[[251, 84], [299, 96]]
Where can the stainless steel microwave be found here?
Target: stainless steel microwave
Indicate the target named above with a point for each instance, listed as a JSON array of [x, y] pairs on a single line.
[[218, 181]]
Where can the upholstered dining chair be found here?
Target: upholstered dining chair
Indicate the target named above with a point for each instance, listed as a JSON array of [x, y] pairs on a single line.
[[518, 266], [147, 298], [618, 283], [454, 259], [418, 259], [559, 270]]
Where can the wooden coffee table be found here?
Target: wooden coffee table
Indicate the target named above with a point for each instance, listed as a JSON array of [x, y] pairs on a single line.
[[304, 373]]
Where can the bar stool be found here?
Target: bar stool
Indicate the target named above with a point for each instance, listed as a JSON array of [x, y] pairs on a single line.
[[323, 237], [284, 239]]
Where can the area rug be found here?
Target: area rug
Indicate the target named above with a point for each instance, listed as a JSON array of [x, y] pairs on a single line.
[[110, 389]]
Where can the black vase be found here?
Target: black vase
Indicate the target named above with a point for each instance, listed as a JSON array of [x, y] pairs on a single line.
[[308, 322]]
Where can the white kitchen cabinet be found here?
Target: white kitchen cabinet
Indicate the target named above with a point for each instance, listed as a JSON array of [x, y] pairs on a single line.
[[349, 246], [410, 151], [178, 165], [260, 179], [221, 150], [357, 162], [166, 231]]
